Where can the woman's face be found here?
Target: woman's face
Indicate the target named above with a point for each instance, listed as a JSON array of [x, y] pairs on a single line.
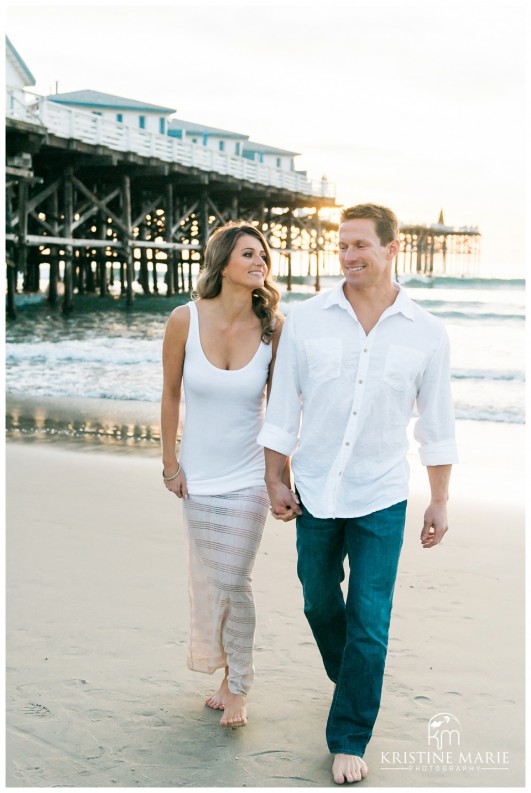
[[247, 265]]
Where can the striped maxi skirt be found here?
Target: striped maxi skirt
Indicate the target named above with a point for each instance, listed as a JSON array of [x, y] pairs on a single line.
[[223, 534]]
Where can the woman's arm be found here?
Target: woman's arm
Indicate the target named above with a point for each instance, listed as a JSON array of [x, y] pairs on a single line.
[[172, 365], [286, 473], [274, 343]]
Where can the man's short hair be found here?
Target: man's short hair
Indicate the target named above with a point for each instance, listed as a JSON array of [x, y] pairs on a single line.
[[385, 220]]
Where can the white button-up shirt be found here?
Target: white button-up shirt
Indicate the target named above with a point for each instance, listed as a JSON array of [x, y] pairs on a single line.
[[341, 402]]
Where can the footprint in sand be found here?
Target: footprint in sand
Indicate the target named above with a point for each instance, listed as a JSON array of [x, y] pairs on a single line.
[[34, 709], [95, 754], [484, 696], [29, 690], [295, 779], [265, 756], [95, 714]]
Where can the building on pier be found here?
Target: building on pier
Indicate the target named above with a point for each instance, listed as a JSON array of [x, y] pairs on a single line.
[[17, 73], [117, 109], [222, 140], [270, 155]]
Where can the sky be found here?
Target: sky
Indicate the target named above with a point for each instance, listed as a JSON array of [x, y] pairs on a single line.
[[418, 104]]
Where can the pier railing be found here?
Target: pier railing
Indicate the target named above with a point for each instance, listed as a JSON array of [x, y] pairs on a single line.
[[70, 123]]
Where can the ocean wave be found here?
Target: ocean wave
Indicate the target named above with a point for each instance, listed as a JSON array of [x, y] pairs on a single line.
[[479, 307], [487, 374], [474, 316], [82, 390], [416, 279], [466, 282], [499, 416], [119, 352]]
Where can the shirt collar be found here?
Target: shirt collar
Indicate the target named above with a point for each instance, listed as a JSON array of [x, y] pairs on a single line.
[[402, 305]]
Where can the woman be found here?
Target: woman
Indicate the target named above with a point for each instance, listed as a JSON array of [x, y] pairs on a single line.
[[222, 348]]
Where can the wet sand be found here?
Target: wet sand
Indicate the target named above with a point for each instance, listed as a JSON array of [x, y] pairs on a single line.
[[98, 692]]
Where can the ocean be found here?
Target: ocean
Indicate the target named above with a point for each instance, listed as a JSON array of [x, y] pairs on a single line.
[[104, 352]]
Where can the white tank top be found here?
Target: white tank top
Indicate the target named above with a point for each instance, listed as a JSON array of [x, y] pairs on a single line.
[[225, 410]]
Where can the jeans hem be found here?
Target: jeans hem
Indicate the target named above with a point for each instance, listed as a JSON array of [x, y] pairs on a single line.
[[346, 751]]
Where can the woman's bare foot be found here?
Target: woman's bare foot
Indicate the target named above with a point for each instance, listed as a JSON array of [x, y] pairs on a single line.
[[348, 768], [217, 700], [234, 712]]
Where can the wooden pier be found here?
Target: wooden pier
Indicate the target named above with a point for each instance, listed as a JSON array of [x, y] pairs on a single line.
[[98, 210], [112, 209], [427, 249]]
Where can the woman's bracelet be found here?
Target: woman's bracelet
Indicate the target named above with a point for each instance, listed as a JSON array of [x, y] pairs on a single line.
[[175, 475]]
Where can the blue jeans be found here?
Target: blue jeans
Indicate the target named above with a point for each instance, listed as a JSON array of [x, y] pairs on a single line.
[[351, 636]]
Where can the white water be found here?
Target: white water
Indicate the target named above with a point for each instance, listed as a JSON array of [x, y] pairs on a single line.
[[116, 355]]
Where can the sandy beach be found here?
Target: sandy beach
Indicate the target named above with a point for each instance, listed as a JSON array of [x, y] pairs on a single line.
[[98, 692]]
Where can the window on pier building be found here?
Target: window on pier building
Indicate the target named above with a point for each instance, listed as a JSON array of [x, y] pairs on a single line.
[[120, 118], [162, 126], [238, 149], [279, 162], [142, 122], [221, 145]]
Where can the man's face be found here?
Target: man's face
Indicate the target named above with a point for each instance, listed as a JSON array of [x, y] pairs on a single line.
[[364, 260]]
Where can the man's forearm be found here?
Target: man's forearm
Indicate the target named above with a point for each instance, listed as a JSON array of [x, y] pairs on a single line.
[[275, 464], [286, 473], [439, 477]]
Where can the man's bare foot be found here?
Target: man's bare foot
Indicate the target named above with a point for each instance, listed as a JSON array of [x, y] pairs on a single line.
[[235, 712], [348, 768], [217, 700]]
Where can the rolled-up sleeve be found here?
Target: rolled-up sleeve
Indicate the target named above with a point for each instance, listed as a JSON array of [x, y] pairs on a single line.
[[280, 430], [435, 427]]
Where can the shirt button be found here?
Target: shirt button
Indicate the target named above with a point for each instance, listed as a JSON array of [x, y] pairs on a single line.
[[339, 474], [347, 443], [360, 381], [354, 413], [365, 350]]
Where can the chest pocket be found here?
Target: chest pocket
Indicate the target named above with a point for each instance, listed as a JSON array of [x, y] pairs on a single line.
[[324, 357], [402, 365]]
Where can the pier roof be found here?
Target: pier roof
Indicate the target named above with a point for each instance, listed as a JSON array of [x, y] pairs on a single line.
[[27, 76], [89, 98], [202, 129], [252, 146]]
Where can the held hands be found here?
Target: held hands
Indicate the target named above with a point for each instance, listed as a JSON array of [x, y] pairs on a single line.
[[176, 482], [284, 502], [435, 525]]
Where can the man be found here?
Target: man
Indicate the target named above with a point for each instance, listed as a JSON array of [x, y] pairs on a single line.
[[350, 366]]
